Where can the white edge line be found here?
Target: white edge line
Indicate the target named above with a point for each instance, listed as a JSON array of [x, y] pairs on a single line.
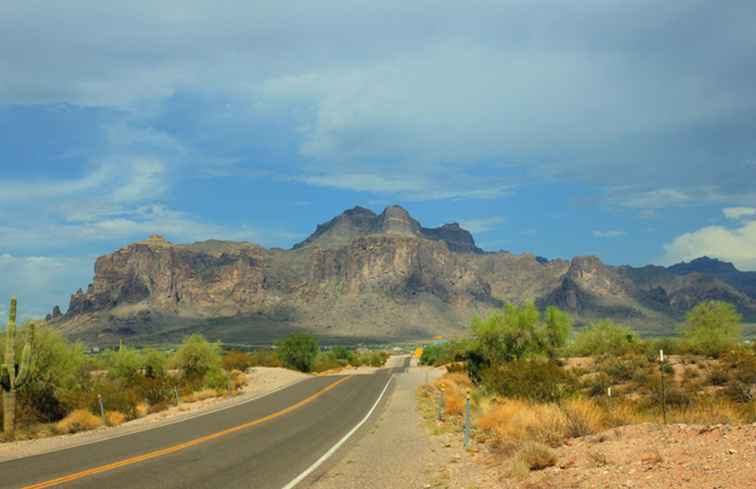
[[333, 449]]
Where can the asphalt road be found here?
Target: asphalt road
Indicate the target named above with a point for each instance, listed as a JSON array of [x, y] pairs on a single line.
[[266, 455]]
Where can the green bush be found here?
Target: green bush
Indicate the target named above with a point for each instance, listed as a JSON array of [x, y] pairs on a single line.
[[196, 357], [218, 379], [327, 360], [155, 364], [624, 368], [605, 338], [713, 328], [123, 364], [532, 379], [59, 370], [298, 351], [516, 332]]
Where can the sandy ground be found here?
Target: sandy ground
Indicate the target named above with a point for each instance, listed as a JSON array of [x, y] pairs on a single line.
[[396, 451], [260, 382]]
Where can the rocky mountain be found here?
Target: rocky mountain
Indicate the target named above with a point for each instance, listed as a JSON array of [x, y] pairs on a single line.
[[368, 276]]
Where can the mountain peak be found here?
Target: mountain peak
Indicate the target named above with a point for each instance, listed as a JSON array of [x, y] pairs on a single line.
[[703, 264], [394, 220]]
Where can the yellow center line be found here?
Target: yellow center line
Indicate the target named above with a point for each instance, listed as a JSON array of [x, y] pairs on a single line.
[[181, 446]]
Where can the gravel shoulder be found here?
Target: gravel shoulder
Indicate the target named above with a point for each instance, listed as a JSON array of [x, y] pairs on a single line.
[[261, 381], [397, 451]]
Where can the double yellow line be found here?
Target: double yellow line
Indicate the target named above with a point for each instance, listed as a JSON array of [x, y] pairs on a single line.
[[181, 446]]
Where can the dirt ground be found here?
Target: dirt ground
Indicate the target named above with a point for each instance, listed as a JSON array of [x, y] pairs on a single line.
[[643, 456]]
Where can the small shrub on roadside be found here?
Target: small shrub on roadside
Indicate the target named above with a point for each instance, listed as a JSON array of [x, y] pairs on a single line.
[[298, 351], [78, 420], [738, 391], [536, 456], [237, 360], [115, 418], [141, 410], [537, 380], [717, 376]]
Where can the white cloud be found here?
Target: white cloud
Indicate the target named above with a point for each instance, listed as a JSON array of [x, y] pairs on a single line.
[[482, 224], [737, 213], [612, 233], [412, 187], [41, 282], [736, 245]]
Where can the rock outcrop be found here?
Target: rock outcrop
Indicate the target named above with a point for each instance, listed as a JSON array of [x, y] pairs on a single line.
[[361, 274]]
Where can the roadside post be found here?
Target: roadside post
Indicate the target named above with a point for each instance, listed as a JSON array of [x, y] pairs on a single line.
[[102, 410], [175, 392], [663, 393], [440, 406], [468, 421]]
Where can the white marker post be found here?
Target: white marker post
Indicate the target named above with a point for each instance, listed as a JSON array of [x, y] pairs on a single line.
[[663, 394]]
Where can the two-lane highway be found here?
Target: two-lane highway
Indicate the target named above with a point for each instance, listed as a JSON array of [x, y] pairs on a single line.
[[263, 444]]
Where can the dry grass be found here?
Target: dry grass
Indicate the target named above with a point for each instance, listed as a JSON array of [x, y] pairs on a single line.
[[535, 456], [142, 409], [78, 420], [200, 395], [238, 379], [711, 411], [115, 418], [455, 387], [584, 417], [513, 421]]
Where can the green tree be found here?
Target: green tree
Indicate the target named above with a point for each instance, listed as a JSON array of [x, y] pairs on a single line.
[[155, 363], [298, 351], [713, 327], [606, 338], [196, 357], [124, 364], [518, 331]]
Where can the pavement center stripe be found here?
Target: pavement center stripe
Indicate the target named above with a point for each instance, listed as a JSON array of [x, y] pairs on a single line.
[[182, 446]]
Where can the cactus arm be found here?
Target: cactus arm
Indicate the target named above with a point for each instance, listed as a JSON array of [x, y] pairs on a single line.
[[24, 371]]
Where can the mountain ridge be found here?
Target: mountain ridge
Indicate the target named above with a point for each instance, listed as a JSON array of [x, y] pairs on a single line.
[[363, 274]]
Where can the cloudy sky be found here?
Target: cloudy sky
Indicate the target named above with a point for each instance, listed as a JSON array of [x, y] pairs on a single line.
[[625, 129]]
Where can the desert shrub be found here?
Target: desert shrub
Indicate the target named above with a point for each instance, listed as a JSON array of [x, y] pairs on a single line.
[[519, 331], [59, 371], [238, 379], [718, 376], [605, 338], [713, 328], [342, 354], [738, 391], [584, 417], [327, 361], [532, 379], [155, 363], [160, 406], [597, 384], [115, 418], [217, 379], [78, 420], [201, 395], [298, 351], [141, 410], [265, 358], [152, 389], [237, 360], [742, 364], [123, 364], [196, 357], [623, 368], [536, 456], [511, 422]]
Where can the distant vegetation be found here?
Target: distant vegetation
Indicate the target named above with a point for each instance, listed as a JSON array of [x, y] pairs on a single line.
[[533, 387], [63, 387]]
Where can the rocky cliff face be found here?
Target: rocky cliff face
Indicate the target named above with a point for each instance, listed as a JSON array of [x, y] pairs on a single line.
[[360, 274]]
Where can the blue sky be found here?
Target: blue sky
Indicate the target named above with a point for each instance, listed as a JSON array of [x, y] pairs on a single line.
[[621, 129]]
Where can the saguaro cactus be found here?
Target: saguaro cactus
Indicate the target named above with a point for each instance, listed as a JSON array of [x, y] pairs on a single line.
[[13, 374]]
